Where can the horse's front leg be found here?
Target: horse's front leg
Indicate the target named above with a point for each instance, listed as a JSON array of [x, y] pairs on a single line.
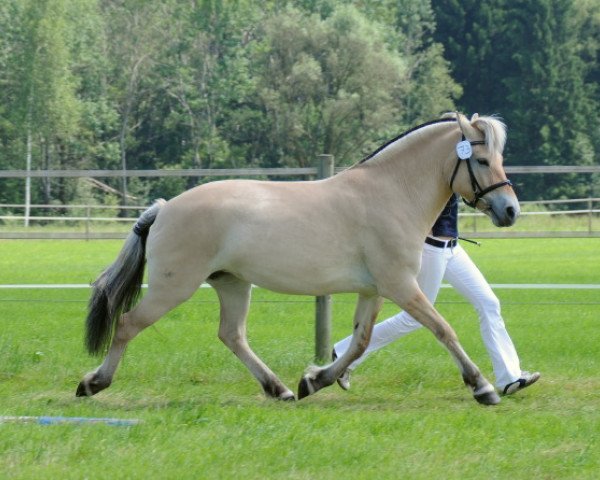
[[421, 310], [316, 378]]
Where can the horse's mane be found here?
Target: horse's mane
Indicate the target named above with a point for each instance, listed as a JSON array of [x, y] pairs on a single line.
[[492, 127], [402, 135], [494, 130]]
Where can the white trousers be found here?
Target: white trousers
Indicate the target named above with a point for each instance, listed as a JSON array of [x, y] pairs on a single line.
[[456, 267]]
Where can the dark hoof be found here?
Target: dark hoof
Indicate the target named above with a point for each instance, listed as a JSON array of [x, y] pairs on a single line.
[[488, 398], [288, 398], [82, 391], [91, 384], [305, 388]]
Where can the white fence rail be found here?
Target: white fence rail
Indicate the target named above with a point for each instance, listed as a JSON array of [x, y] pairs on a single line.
[[249, 172], [93, 221], [88, 222]]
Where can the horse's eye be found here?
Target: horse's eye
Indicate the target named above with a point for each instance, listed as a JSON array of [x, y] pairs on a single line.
[[483, 161]]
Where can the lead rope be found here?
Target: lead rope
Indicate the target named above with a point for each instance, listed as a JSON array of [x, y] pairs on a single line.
[[470, 241]]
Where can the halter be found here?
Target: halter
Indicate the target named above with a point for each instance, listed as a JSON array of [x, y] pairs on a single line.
[[478, 192]]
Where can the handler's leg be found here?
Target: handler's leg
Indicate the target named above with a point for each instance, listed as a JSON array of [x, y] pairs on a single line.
[[466, 278]]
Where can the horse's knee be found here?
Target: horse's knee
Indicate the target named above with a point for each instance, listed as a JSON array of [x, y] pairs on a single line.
[[231, 338]]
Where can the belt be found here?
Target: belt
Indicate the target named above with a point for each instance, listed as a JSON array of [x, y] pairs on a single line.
[[441, 243]]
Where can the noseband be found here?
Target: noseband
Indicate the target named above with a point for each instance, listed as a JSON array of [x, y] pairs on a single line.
[[478, 192]]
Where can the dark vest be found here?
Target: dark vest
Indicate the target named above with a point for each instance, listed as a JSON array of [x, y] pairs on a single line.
[[447, 223]]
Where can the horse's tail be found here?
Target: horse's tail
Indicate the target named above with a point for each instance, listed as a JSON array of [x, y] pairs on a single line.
[[118, 287]]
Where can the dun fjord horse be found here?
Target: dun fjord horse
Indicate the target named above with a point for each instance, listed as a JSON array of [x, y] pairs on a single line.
[[360, 231]]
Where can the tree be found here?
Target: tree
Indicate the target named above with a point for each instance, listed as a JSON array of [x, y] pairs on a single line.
[[432, 89], [523, 60], [550, 104], [326, 85], [197, 89], [45, 103], [139, 33]]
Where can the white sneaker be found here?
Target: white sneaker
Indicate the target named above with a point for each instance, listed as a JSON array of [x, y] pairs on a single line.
[[521, 383]]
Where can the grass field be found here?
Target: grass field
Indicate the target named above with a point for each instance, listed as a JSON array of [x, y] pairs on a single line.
[[204, 416]]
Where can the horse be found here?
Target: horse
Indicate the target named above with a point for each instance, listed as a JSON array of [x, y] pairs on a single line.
[[359, 231]]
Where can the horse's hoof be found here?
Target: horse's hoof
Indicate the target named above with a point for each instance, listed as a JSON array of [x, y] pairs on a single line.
[[91, 384], [488, 398], [305, 387], [287, 397], [83, 390]]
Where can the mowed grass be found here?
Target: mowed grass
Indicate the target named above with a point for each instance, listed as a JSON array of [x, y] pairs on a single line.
[[204, 416]]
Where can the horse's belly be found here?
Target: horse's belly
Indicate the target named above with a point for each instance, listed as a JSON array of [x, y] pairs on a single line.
[[307, 278]]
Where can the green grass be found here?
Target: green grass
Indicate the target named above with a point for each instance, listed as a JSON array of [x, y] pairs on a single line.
[[406, 416]]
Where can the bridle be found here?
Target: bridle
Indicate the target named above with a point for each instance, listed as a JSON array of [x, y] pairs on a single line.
[[478, 192]]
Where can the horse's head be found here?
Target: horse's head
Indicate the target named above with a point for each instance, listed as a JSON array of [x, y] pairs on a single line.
[[478, 175]]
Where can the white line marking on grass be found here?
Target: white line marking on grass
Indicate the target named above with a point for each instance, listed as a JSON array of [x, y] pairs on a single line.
[[517, 286], [543, 286], [61, 286], [31, 286]]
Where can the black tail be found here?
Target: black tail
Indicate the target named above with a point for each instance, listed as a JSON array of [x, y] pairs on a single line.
[[118, 287]]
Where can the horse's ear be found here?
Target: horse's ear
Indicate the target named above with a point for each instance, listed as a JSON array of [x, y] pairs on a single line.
[[474, 117], [463, 124]]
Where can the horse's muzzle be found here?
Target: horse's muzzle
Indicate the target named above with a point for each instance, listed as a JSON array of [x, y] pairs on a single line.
[[503, 212]]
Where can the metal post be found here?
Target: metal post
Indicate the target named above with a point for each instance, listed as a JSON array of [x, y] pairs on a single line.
[[323, 303]]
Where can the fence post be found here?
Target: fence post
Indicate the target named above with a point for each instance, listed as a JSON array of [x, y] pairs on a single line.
[[28, 179], [88, 214], [323, 303], [590, 205]]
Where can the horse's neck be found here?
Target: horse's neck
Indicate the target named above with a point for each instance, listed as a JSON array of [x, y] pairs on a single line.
[[413, 171]]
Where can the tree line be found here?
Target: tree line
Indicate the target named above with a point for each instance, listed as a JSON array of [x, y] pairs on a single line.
[[137, 84]]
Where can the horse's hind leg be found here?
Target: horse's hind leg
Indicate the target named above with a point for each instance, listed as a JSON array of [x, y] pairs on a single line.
[[234, 296], [365, 315], [156, 303]]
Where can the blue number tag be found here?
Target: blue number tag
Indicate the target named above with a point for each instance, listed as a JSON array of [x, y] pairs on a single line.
[[464, 150]]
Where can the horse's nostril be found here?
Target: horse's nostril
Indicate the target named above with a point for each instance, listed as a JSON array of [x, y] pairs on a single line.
[[510, 212]]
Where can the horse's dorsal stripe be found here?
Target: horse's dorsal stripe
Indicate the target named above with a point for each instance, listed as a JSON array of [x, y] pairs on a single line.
[[408, 132]]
